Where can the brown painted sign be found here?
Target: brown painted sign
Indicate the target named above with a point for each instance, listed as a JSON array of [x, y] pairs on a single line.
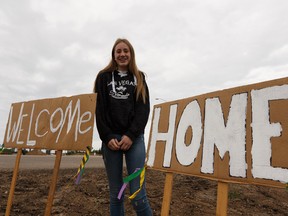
[[64, 123], [235, 135]]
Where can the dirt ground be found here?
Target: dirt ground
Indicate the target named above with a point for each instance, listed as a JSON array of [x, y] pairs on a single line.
[[191, 195]]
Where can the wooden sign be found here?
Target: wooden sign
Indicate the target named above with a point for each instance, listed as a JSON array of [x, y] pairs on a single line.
[[234, 135], [64, 123]]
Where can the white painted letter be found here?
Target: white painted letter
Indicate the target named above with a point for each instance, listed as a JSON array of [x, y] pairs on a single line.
[[15, 128], [71, 117], [52, 128], [30, 142], [191, 117], [263, 130], [82, 120], [230, 138], [36, 124], [20, 129], [168, 137]]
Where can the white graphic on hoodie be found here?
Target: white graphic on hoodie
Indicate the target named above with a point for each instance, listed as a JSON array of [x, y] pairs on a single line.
[[120, 93], [118, 88]]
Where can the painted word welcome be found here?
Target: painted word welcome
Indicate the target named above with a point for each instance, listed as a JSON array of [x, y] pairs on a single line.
[[64, 123], [237, 135]]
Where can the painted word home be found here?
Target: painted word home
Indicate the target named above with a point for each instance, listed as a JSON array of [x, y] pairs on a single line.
[[235, 135], [64, 123]]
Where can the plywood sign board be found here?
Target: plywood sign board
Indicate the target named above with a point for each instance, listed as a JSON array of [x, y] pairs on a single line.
[[64, 123], [235, 135]]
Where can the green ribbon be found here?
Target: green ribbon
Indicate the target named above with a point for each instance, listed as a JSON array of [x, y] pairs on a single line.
[[132, 176]]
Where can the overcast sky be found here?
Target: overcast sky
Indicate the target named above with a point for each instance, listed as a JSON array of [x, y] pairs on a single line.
[[55, 48]]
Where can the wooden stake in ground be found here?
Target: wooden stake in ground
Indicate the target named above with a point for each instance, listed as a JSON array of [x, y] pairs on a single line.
[[167, 194], [222, 198], [53, 183], [13, 182]]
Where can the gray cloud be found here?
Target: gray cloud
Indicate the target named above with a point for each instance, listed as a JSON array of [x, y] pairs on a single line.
[[55, 48]]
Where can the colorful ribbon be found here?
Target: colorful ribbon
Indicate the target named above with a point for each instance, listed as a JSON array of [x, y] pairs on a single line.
[[129, 178], [82, 165]]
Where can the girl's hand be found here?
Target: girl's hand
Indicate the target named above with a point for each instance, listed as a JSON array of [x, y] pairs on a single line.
[[125, 143], [113, 144]]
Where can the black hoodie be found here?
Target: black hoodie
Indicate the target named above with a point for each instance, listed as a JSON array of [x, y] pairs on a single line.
[[117, 110]]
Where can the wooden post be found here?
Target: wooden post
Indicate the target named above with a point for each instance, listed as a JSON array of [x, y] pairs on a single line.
[[53, 183], [222, 198], [13, 182], [167, 194]]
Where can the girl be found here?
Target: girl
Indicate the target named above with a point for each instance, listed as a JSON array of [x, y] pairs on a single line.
[[121, 116]]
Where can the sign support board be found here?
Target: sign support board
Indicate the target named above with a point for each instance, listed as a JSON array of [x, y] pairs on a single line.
[[53, 183], [13, 183]]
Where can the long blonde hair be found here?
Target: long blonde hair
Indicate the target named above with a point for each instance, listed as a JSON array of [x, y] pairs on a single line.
[[132, 67]]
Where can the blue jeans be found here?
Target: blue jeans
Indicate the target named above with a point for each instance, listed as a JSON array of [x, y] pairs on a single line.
[[135, 158]]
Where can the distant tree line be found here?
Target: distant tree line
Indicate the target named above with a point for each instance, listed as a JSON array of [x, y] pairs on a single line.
[[93, 152], [4, 150]]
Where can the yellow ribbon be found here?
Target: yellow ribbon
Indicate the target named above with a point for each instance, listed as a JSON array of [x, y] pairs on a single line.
[[82, 165], [142, 178]]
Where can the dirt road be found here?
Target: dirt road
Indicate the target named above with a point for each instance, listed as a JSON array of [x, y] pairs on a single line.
[[47, 162]]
